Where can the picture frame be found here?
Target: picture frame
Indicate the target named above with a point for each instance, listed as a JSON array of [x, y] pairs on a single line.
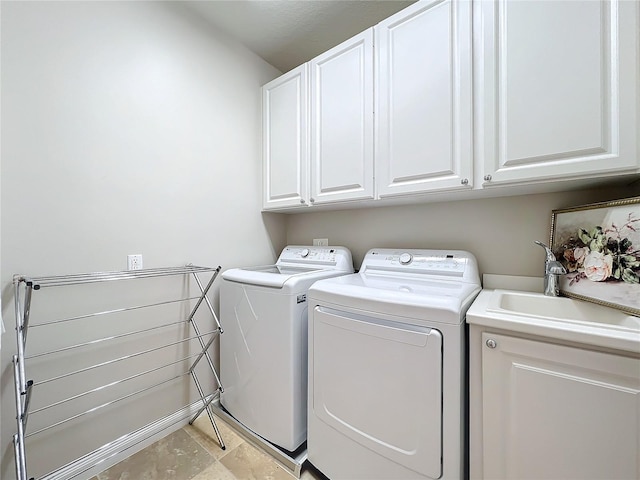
[[599, 245]]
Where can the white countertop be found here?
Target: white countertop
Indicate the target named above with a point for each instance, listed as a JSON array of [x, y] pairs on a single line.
[[606, 327]]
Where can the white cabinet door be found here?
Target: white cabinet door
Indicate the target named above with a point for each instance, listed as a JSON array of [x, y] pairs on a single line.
[[285, 149], [423, 100], [558, 412], [557, 89], [342, 121]]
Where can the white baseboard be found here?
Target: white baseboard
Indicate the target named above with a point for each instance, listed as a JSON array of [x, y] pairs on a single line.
[[114, 452]]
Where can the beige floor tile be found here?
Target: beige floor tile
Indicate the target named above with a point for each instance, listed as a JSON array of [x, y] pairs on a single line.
[[202, 432], [175, 457], [215, 471], [309, 473], [248, 463]]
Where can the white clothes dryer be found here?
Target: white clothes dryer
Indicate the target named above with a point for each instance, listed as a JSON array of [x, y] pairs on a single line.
[[387, 367], [263, 351]]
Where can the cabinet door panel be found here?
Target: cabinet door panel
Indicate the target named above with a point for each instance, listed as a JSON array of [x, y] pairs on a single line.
[[423, 110], [557, 412], [554, 96], [285, 152], [342, 121], [557, 86]]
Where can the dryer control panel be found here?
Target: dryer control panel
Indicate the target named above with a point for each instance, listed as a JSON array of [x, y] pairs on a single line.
[[440, 263], [338, 258]]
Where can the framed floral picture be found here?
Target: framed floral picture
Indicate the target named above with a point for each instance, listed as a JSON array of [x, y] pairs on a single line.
[[599, 245]]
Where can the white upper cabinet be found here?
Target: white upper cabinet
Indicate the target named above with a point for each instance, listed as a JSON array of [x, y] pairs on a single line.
[[285, 149], [557, 89], [342, 122], [424, 99], [459, 98]]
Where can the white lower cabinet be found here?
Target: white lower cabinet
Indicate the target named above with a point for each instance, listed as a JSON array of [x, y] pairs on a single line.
[[542, 410], [556, 85]]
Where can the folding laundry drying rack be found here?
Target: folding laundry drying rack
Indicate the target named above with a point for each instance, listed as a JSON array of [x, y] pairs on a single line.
[[25, 286]]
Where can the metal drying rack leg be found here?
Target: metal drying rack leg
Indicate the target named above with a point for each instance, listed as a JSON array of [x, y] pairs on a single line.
[[206, 404], [23, 388]]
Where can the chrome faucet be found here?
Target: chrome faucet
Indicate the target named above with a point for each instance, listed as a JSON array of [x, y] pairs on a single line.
[[552, 271]]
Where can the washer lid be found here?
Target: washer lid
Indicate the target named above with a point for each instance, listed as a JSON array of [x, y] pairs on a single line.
[[274, 276], [403, 296], [297, 263], [398, 289]]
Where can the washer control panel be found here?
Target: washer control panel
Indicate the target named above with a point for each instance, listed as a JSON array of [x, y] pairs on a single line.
[[448, 263], [322, 257]]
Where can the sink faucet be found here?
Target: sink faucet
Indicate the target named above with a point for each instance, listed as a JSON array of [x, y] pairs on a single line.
[[552, 271]]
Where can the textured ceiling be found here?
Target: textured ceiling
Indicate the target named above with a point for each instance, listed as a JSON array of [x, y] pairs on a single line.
[[287, 33]]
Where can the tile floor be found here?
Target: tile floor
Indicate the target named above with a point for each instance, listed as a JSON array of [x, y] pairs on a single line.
[[193, 453]]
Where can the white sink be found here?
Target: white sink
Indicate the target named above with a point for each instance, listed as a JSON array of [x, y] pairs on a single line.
[[560, 309], [556, 317]]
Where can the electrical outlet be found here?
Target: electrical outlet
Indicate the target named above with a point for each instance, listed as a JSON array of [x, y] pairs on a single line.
[[321, 242], [134, 262]]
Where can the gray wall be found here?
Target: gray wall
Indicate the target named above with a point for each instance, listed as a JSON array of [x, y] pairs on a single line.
[[127, 127], [498, 231]]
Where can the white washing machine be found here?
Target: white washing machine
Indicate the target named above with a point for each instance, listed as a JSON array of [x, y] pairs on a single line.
[[387, 367], [263, 351]]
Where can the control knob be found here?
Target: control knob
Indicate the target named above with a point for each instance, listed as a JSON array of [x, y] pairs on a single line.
[[304, 253], [405, 258]]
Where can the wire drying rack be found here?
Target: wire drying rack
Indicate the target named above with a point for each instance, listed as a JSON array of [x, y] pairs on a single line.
[[24, 288]]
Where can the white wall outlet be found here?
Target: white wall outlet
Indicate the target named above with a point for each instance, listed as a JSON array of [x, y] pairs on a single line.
[[134, 262], [321, 242]]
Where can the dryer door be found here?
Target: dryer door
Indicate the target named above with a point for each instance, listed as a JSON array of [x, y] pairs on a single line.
[[379, 382]]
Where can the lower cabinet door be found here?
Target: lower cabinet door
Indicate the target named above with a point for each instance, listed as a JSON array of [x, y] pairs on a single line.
[[558, 412]]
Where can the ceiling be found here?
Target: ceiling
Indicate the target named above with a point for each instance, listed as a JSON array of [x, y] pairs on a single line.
[[287, 33]]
